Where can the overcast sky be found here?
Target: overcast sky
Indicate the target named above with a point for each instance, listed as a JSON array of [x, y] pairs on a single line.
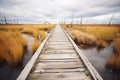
[[59, 10]]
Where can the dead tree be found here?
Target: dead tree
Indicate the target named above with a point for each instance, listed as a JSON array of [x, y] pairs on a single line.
[[81, 20], [2, 22], [72, 20], [5, 20], [111, 17], [65, 21]]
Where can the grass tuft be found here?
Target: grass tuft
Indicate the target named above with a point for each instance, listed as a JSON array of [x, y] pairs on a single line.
[[114, 61], [12, 42], [35, 45], [11, 47], [82, 38]]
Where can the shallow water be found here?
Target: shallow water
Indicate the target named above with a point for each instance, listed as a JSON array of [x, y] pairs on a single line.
[[27, 53], [8, 72], [98, 59]]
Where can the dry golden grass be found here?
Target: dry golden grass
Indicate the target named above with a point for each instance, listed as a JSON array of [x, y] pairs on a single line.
[[102, 33], [44, 27], [11, 46], [34, 32], [101, 43], [114, 61], [35, 45], [19, 27], [82, 38], [11, 27], [12, 42]]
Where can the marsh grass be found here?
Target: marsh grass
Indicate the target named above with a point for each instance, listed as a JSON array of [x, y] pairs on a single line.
[[104, 34], [12, 42], [34, 32], [35, 45], [82, 38], [11, 47], [114, 61]]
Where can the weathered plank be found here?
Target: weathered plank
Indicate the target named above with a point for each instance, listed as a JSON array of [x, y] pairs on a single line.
[[58, 51], [61, 60], [59, 70], [60, 76], [59, 65]]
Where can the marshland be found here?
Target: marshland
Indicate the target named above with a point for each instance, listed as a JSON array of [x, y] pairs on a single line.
[[94, 25], [100, 44], [18, 42]]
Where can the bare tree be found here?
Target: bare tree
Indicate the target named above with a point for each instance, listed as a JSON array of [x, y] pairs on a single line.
[[65, 21], [81, 20], [1, 17], [72, 20], [5, 20], [112, 17]]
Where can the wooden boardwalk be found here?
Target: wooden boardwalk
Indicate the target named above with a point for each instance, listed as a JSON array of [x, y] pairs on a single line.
[[58, 59]]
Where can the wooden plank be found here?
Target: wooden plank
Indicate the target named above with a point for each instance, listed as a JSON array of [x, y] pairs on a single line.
[[59, 70], [57, 56], [61, 60], [59, 65], [60, 76], [58, 51], [58, 42], [57, 47]]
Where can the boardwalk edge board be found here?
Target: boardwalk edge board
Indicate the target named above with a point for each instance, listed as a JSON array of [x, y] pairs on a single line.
[[95, 75], [25, 72]]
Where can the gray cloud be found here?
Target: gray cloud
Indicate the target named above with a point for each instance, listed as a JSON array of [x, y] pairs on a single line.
[[58, 9]]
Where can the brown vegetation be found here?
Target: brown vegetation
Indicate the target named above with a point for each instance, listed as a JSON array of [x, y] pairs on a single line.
[[12, 42], [11, 47], [104, 34], [114, 61], [82, 38], [35, 45]]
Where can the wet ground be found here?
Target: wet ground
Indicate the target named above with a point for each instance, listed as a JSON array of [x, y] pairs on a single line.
[[98, 58], [8, 72]]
